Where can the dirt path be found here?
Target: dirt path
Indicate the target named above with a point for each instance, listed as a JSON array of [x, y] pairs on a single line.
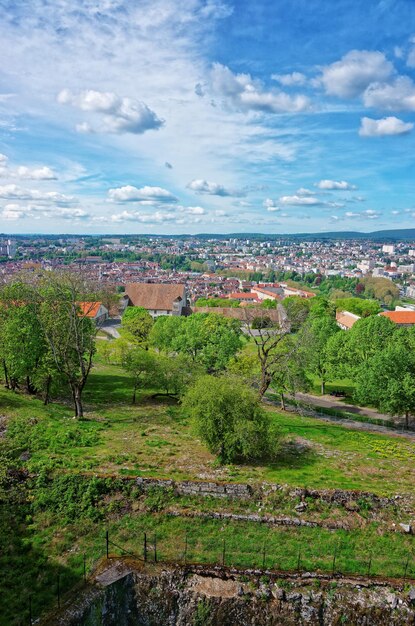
[[314, 401]]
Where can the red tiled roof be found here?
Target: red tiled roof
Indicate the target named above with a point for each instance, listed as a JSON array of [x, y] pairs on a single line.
[[400, 317], [90, 309]]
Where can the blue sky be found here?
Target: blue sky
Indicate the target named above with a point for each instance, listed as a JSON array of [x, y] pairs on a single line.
[[158, 116]]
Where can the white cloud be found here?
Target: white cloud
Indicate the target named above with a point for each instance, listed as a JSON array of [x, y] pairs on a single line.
[[247, 94], [39, 173], [14, 192], [3, 158], [144, 195], [305, 192], [398, 95], [122, 115], [384, 126], [271, 205], [410, 61], [195, 210], [297, 200], [288, 80], [355, 71], [202, 186], [341, 185]]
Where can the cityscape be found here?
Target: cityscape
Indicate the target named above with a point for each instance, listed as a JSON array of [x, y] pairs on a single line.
[[207, 313]]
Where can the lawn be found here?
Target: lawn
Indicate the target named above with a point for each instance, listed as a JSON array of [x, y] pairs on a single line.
[[154, 438]]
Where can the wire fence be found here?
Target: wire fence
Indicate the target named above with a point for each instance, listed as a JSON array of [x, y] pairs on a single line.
[[185, 550]]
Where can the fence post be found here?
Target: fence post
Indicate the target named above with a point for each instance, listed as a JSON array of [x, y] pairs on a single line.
[[155, 548], [334, 560], [84, 567], [223, 553], [145, 547], [406, 566], [107, 542], [59, 591]]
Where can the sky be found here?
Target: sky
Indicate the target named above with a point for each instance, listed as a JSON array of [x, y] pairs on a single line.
[[206, 116]]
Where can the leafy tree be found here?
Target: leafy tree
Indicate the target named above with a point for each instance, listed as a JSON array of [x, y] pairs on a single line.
[[358, 306], [314, 338], [381, 289], [175, 373], [297, 310], [141, 365], [207, 338], [387, 381], [290, 375], [138, 323], [69, 333], [366, 338], [230, 420]]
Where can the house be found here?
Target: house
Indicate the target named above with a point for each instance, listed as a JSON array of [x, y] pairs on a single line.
[[346, 320], [267, 293], [158, 299], [95, 311], [243, 297], [401, 318]]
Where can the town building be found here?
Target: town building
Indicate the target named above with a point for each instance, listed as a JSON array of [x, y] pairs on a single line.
[[158, 299]]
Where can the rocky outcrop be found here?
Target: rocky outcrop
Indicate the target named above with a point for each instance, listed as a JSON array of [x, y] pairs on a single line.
[[129, 595]]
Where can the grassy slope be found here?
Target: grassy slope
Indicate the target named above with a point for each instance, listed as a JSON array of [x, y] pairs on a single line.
[[153, 438]]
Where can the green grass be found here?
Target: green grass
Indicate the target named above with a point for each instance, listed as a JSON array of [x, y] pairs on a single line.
[[153, 438]]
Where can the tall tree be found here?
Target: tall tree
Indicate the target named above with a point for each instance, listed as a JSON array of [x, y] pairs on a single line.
[[267, 339], [314, 338], [387, 380], [68, 330]]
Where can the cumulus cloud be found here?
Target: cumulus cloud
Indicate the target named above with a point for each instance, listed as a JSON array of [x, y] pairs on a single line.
[[332, 185], [144, 195], [289, 80], [244, 93], [355, 71], [39, 173], [299, 200], [385, 126], [271, 205], [305, 192], [158, 217], [3, 158], [14, 211], [121, 115], [398, 95], [15, 192], [199, 185]]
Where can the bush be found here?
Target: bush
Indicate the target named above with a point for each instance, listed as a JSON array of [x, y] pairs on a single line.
[[227, 415]]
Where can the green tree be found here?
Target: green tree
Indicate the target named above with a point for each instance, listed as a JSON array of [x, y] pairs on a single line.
[[314, 338], [141, 365], [358, 306], [290, 375], [68, 331], [230, 420], [387, 381], [138, 323], [207, 338], [367, 337]]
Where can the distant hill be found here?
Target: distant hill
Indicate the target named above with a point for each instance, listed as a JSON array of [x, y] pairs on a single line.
[[402, 234]]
